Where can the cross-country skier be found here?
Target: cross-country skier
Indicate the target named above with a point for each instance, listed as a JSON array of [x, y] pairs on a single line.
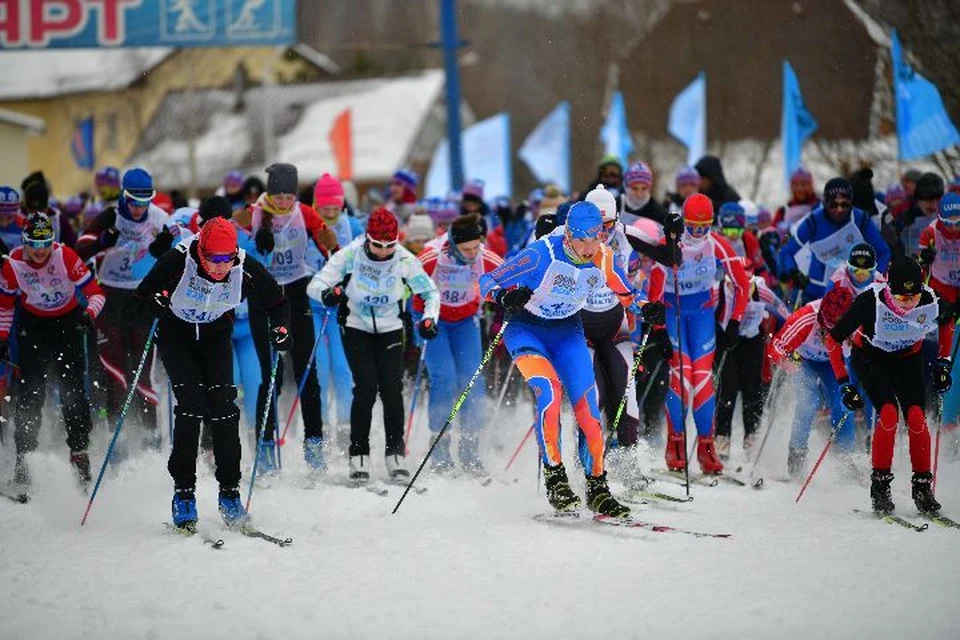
[[891, 321], [366, 281], [194, 290], [544, 287], [456, 262], [705, 253], [59, 300]]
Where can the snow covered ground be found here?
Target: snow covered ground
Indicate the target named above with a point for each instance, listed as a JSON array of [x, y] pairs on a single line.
[[466, 561]]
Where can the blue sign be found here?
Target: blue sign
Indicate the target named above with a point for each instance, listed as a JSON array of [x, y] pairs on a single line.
[[796, 122], [81, 144], [57, 24]]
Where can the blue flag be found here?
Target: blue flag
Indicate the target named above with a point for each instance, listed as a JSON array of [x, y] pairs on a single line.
[[546, 151], [615, 134], [688, 118], [796, 124], [486, 157], [923, 126], [81, 144]]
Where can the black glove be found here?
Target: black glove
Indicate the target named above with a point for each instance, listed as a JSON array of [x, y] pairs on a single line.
[[799, 278], [281, 338], [109, 237], [661, 341], [4, 350], [545, 224], [654, 313], [941, 376], [673, 225], [85, 321], [161, 243], [331, 297], [851, 397], [427, 329], [264, 241], [514, 298], [730, 336], [927, 256], [161, 303]]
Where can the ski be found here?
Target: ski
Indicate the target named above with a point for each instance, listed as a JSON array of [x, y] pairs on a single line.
[[190, 531], [630, 523], [403, 483], [641, 496], [890, 518], [252, 532], [942, 521], [19, 498], [677, 477]]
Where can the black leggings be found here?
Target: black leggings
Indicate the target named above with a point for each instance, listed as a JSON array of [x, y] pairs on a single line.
[[652, 410], [612, 358], [201, 375], [741, 374], [302, 332], [376, 362]]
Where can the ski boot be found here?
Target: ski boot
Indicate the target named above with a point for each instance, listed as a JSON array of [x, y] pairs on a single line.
[[81, 464], [440, 460], [676, 455], [600, 500], [707, 456], [395, 469], [880, 481], [796, 463], [470, 455], [559, 493], [184, 508], [722, 444], [231, 509], [268, 459], [923, 493], [313, 454], [359, 469]]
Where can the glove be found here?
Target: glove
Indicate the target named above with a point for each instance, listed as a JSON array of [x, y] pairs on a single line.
[[331, 297], [281, 338], [730, 336], [161, 243], [264, 241], [673, 225], [85, 321], [161, 303], [545, 224], [941, 376], [927, 256], [661, 341], [851, 398], [654, 313], [109, 237], [800, 279], [4, 350], [427, 329], [514, 298]]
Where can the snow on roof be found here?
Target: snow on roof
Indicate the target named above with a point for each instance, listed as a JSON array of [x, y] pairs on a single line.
[[44, 74], [32, 123], [386, 115]]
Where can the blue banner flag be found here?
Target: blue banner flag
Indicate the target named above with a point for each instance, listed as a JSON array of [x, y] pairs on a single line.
[[688, 118], [796, 124], [486, 157], [81, 144], [923, 125], [546, 151], [29, 24], [615, 134]]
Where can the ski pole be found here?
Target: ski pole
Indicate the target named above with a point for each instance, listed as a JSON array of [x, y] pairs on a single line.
[[123, 414], [263, 423], [936, 446], [766, 434], [303, 380], [637, 360], [519, 448], [455, 410], [683, 384], [646, 390], [416, 394], [823, 454], [503, 392]]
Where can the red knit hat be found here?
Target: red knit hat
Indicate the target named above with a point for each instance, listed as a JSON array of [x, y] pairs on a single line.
[[327, 192], [218, 237], [698, 209], [382, 226]]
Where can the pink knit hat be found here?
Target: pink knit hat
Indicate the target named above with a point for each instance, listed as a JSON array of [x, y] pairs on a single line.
[[327, 192]]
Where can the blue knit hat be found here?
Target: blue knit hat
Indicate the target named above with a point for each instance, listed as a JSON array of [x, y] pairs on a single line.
[[584, 220], [732, 216], [9, 201], [137, 185], [407, 177]]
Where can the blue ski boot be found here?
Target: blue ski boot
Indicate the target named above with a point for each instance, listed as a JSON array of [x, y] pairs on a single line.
[[184, 508], [268, 459], [470, 454], [313, 454], [231, 508]]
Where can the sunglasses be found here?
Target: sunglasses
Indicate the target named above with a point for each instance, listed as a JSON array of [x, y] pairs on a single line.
[[906, 297], [38, 244], [843, 205], [731, 232], [953, 223], [220, 258], [609, 225], [381, 245], [134, 202], [861, 274]]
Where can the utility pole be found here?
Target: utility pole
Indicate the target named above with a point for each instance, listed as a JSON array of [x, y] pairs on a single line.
[[451, 43]]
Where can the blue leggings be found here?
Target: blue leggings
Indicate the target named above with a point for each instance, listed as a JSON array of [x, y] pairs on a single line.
[[699, 340], [812, 379], [452, 359], [246, 368], [550, 355], [333, 372]]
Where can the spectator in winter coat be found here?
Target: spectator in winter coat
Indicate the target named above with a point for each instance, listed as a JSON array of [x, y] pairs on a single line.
[[609, 174], [803, 199], [713, 183], [402, 194], [909, 181], [36, 199], [636, 199], [913, 216], [687, 183]]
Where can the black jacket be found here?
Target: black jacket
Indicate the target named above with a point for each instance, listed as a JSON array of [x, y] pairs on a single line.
[[720, 192]]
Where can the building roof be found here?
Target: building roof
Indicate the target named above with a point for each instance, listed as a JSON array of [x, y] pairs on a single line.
[[30, 123], [387, 116], [44, 74]]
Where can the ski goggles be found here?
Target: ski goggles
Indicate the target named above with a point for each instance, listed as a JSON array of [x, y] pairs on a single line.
[[953, 223], [905, 298], [38, 243], [381, 245], [609, 225], [220, 258], [697, 229], [860, 274], [733, 233]]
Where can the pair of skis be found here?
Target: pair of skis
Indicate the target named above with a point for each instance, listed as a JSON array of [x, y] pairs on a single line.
[[890, 518], [246, 530], [573, 519]]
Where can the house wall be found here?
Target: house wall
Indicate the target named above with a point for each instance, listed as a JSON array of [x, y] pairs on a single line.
[[13, 160]]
